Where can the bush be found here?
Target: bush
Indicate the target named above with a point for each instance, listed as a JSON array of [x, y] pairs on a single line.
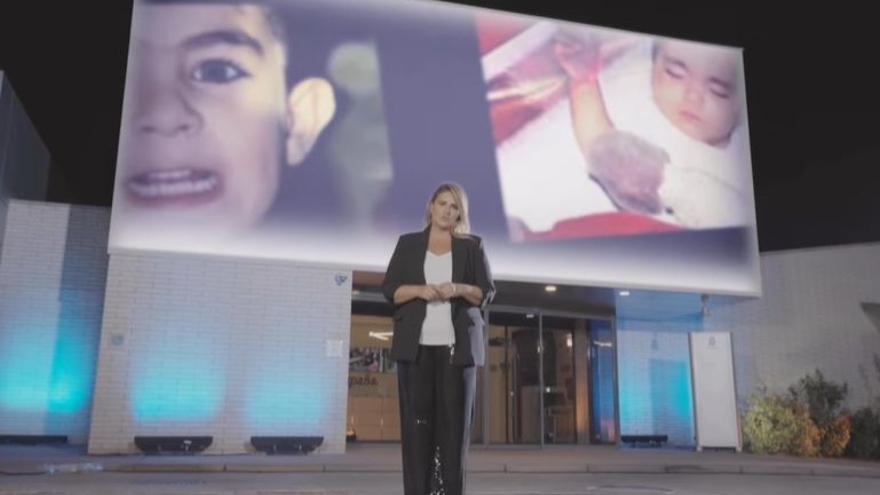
[[865, 441], [823, 397], [808, 437], [770, 426], [823, 400], [836, 436]]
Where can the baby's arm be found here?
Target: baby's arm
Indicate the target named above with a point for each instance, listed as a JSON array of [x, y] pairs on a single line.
[[628, 168], [580, 58], [588, 114]]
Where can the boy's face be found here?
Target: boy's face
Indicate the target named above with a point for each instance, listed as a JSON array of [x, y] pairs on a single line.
[[697, 89], [208, 118]]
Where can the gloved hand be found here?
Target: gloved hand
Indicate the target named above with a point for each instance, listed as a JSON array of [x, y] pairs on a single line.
[[630, 169]]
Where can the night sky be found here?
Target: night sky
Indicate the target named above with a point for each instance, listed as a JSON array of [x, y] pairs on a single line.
[[813, 96]]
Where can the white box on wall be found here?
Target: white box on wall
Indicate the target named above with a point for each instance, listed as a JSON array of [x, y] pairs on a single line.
[[715, 416]]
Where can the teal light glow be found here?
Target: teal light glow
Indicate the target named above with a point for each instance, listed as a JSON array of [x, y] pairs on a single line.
[[672, 401], [25, 371], [178, 375], [278, 394], [44, 367], [655, 386]]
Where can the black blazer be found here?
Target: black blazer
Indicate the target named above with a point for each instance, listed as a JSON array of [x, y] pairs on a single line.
[[469, 266]]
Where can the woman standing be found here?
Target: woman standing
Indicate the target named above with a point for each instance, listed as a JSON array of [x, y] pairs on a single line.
[[438, 280]]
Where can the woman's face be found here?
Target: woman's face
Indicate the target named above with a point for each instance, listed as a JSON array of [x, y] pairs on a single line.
[[445, 211]]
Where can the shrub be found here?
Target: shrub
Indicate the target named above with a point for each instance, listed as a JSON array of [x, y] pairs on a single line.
[[865, 440], [806, 441], [770, 425], [823, 400], [836, 436]]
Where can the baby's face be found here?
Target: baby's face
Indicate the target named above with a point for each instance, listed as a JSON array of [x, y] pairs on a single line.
[[203, 123], [697, 89]]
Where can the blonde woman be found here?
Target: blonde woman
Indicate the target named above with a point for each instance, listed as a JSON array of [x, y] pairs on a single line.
[[438, 280]]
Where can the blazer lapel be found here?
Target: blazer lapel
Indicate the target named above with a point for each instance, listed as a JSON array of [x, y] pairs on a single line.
[[420, 256], [459, 257]]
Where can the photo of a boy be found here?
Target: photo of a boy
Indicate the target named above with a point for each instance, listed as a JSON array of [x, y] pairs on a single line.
[[210, 119]]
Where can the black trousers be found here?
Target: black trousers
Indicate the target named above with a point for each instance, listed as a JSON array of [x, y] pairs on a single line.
[[436, 409]]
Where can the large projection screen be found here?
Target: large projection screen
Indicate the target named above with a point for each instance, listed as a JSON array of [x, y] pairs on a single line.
[[315, 130]]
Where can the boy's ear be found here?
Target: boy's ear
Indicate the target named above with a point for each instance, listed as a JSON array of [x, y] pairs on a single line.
[[310, 107]]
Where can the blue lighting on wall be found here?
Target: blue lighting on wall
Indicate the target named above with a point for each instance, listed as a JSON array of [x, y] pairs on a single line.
[[44, 369], [655, 385], [178, 375], [634, 399], [672, 403], [277, 393], [25, 370], [73, 369]]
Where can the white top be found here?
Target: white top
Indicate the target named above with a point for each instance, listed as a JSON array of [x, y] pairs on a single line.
[[437, 328]]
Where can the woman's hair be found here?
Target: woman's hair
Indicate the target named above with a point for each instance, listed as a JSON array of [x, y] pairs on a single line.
[[463, 226]]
